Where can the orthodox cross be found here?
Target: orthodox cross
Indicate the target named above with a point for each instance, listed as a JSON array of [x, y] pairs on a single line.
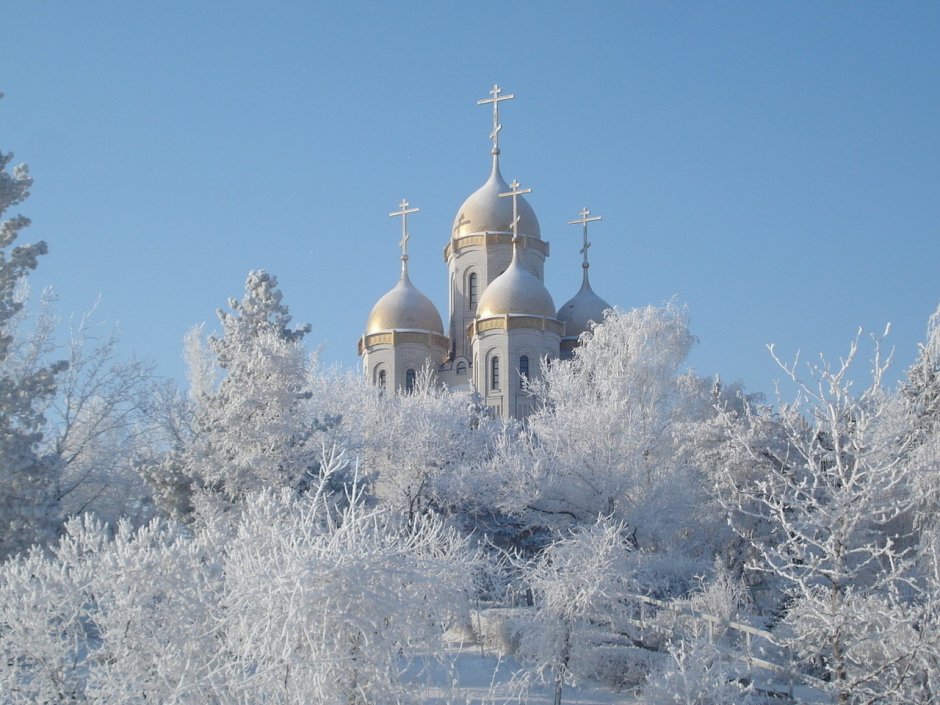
[[583, 221], [495, 100], [404, 212], [515, 193]]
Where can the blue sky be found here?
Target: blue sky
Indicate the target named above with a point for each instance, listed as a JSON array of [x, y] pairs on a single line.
[[775, 167]]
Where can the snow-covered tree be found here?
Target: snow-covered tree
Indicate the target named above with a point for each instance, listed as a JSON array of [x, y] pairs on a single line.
[[421, 447], [99, 423], [28, 478], [920, 399], [716, 445], [605, 420], [829, 496], [577, 583], [921, 389], [610, 436], [357, 600], [300, 603], [253, 428]]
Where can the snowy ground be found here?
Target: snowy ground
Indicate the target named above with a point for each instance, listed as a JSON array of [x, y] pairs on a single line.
[[487, 679]]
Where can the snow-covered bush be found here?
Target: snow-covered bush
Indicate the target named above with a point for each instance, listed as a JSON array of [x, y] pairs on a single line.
[[123, 619], [577, 583], [354, 599], [292, 600], [695, 673]]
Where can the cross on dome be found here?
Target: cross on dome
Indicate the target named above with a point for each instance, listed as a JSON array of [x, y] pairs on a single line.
[[404, 211], [515, 193], [583, 221], [495, 100]]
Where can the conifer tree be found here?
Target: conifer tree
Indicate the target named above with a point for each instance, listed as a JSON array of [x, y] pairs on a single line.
[[252, 429], [28, 478]]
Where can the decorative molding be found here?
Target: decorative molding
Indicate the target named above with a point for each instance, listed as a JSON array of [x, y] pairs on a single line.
[[488, 239], [400, 337]]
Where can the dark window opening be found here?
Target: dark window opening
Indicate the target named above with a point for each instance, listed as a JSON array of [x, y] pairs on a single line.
[[410, 381], [472, 290]]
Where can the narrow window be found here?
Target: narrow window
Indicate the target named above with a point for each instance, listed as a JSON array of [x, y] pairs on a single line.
[[382, 379], [523, 370], [409, 381], [461, 368], [494, 373], [472, 291]]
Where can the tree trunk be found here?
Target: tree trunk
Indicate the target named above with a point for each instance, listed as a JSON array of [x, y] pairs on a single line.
[[562, 667], [839, 671]]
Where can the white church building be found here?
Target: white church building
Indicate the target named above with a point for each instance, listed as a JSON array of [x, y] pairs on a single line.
[[503, 320]]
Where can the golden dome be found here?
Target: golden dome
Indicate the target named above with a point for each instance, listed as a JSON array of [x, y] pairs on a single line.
[[516, 291], [404, 308], [485, 211], [584, 308]]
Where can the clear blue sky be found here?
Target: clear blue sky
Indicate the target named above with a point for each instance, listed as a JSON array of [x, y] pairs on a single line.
[[776, 167]]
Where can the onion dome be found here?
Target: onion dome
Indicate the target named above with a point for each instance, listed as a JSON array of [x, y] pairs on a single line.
[[404, 308], [584, 308], [485, 211], [516, 291]]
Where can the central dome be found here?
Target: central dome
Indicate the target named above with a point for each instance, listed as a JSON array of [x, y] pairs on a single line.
[[485, 211], [404, 308], [516, 292]]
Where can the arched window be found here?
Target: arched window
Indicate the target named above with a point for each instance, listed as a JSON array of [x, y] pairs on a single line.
[[461, 368], [523, 370], [494, 373], [472, 290], [409, 381], [382, 379]]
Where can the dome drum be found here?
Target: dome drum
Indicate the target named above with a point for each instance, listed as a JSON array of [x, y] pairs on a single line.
[[515, 322], [434, 341], [490, 239]]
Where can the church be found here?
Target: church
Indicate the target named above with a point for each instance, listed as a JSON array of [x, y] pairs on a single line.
[[503, 320]]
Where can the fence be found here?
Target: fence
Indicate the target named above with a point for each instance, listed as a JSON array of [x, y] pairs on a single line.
[[759, 640]]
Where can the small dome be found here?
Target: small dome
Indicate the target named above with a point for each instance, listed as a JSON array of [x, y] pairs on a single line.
[[583, 308], [485, 211], [404, 308], [516, 291]]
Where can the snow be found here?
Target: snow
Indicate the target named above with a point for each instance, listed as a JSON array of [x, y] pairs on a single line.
[[489, 679]]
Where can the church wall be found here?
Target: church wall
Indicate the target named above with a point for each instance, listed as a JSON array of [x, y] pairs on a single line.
[[509, 346], [397, 360], [468, 260]]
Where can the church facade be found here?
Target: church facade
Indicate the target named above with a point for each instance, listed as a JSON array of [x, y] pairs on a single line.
[[502, 319]]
